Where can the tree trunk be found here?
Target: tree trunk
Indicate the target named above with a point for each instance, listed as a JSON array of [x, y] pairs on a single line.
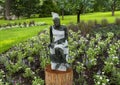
[[62, 14], [53, 77], [113, 7], [78, 16], [113, 12], [7, 9]]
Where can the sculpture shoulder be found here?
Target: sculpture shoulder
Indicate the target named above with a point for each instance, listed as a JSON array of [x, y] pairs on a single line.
[[63, 27]]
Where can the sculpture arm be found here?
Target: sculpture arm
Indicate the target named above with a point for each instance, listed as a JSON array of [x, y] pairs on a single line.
[[66, 33], [51, 35]]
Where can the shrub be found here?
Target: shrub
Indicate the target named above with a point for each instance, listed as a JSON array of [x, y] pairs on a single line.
[[15, 24], [25, 24], [99, 57], [95, 22], [84, 28], [9, 25], [91, 24], [72, 27], [117, 21], [37, 81], [104, 22], [31, 23], [19, 24]]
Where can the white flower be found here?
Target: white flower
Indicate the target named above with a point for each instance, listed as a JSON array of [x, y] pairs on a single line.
[[107, 80], [19, 67], [101, 77], [115, 57], [98, 82], [33, 72], [111, 63], [3, 75], [103, 72], [2, 71], [103, 84], [78, 62]]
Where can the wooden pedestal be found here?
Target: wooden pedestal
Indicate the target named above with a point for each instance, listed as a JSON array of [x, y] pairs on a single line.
[[53, 77]]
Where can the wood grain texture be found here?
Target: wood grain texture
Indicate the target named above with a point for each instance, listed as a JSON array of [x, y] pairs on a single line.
[[53, 77]]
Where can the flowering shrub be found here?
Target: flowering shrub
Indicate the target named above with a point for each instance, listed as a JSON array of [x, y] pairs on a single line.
[[37, 81], [94, 59], [95, 55], [101, 80]]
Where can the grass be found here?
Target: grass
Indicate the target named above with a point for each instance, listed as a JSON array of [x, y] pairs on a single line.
[[93, 16], [71, 18], [10, 37]]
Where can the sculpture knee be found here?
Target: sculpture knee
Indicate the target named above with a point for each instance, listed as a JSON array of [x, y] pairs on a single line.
[[59, 51]]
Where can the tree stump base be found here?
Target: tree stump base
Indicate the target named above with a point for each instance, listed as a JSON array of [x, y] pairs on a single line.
[[54, 77]]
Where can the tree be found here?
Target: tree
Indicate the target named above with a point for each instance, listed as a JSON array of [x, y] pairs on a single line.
[[112, 5], [80, 6], [1, 7], [2, 2], [98, 5], [17, 8], [47, 7], [30, 7], [62, 5], [25, 7], [7, 9]]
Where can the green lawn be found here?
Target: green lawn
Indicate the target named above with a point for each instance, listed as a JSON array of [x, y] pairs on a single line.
[[72, 18], [10, 37], [93, 16]]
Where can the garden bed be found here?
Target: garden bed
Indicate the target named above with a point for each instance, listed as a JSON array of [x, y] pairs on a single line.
[[95, 59]]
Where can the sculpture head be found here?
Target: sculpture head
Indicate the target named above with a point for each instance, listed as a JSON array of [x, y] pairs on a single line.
[[56, 22], [56, 19]]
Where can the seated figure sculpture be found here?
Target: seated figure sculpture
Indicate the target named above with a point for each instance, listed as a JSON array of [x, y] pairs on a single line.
[[58, 45]]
